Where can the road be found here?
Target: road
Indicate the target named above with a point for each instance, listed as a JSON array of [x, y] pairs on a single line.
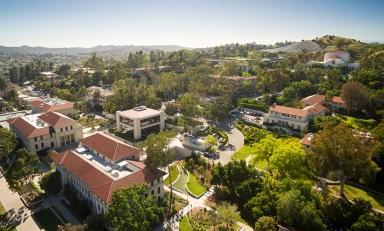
[[235, 137], [17, 212]]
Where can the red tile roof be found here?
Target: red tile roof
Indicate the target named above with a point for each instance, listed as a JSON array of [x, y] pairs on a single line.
[[316, 109], [44, 107], [99, 183], [27, 129], [288, 110], [338, 99], [55, 119], [110, 147], [313, 99], [307, 140]]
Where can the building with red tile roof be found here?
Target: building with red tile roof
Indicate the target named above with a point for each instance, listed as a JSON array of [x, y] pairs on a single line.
[[110, 147], [313, 99], [48, 130], [337, 104], [53, 105], [316, 109], [287, 116], [307, 140], [95, 177]]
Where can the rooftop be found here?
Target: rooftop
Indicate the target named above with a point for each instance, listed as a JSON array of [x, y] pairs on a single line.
[[288, 110], [307, 139], [30, 126], [110, 147], [338, 99], [101, 180], [51, 104], [313, 99], [316, 108], [140, 112]]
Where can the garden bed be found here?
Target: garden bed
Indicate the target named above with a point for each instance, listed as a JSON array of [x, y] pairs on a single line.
[[30, 194], [194, 187], [47, 220], [173, 174]]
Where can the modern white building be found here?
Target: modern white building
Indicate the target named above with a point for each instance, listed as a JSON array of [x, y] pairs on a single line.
[[44, 131], [141, 120], [101, 165]]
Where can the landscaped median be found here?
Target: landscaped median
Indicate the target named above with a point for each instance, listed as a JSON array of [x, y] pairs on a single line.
[[194, 187], [173, 175]]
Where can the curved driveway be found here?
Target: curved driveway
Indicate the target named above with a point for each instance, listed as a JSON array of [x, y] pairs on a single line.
[[235, 137]]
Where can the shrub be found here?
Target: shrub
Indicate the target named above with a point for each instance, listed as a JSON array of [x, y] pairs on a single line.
[[51, 182]]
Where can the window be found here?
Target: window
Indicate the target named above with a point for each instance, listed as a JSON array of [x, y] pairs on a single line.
[[158, 190], [52, 144], [36, 146], [42, 145], [71, 127], [66, 128], [61, 129], [35, 138], [152, 192], [72, 138]]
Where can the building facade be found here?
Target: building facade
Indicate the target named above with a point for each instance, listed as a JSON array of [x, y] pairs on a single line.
[[287, 117], [50, 130], [95, 171], [141, 120]]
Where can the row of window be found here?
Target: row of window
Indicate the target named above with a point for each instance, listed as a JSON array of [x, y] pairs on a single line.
[[66, 128], [43, 145]]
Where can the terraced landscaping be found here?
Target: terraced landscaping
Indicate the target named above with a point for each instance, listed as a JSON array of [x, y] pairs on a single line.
[[194, 186], [174, 173]]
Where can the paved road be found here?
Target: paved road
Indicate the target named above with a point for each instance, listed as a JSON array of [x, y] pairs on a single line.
[[15, 207], [235, 137]]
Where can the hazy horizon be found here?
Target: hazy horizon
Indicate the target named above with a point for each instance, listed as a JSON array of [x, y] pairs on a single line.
[[191, 24]]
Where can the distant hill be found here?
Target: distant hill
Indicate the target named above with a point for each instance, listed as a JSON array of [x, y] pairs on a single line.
[[305, 45], [332, 41], [101, 50]]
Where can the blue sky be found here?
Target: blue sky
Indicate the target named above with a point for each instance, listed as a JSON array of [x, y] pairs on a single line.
[[199, 23]]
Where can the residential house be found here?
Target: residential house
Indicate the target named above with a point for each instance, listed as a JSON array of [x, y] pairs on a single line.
[[337, 104], [313, 99], [102, 165], [103, 95], [307, 140], [48, 130], [141, 120], [288, 117]]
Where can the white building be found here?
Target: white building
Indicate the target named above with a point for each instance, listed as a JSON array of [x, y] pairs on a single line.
[[288, 117], [102, 165], [141, 120], [49, 130]]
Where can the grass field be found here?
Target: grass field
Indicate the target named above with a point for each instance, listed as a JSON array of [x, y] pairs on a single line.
[[194, 186], [351, 192], [174, 173], [185, 225], [358, 123], [242, 153], [47, 220]]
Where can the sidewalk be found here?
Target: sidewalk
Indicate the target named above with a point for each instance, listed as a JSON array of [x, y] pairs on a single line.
[[15, 207]]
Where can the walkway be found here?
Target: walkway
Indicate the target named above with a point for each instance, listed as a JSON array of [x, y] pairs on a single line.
[[15, 207], [55, 201]]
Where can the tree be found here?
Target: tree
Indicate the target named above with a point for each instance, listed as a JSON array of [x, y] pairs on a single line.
[[355, 95], [51, 182], [159, 155], [337, 152], [64, 70], [23, 166], [369, 222], [296, 211], [266, 223], [131, 209], [228, 214], [7, 142], [212, 142]]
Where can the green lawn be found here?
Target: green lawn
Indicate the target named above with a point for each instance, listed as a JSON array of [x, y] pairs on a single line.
[[358, 123], [194, 186], [47, 220], [185, 225], [242, 153], [174, 173], [351, 192]]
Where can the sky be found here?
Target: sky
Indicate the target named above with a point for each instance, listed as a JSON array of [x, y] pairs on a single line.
[[198, 23]]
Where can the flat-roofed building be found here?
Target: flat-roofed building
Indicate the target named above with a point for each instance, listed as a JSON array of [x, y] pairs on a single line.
[[141, 120], [54, 105], [101, 165], [48, 130]]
